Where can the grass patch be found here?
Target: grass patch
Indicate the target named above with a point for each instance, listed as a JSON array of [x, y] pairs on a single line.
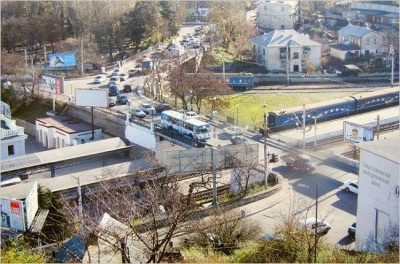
[[30, 112], [250, 108]]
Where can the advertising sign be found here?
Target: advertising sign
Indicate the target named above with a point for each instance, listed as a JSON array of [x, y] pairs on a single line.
[[53, 83], [93, 98], [5, 109], [12, 214], [31, 204], [62, 60], [357, 133]]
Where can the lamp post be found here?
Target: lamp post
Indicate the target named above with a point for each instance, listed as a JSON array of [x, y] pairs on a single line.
[[237, 114], [315, 128], [213, 107], [265, 147]]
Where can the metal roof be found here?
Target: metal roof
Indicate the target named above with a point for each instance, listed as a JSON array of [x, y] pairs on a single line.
[[386, 148], [18, 191], [61, 154], [344, 47], [356, 31], [66, 124], [283, 38]]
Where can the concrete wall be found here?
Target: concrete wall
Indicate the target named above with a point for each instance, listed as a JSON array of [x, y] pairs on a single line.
[[273, 15], [29, 128], [373, 42]]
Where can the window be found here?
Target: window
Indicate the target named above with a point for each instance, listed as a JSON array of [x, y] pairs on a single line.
[[10, 149], [258, 49], [367, 41], [282, 9], [283, 64], [295, 55], [254, 48], [263, 51], [375, 41], [265, 8]]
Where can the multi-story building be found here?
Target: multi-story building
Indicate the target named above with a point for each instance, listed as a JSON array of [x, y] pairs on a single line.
[[359, 41], [375, 12], [12, 137], [378, 195], [271, 51], [64, 131], [277, 14]]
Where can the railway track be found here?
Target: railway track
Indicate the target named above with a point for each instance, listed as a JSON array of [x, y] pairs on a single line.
[[206, 194]]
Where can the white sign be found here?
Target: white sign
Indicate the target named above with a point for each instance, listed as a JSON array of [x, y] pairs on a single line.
[[32, 205], [90, 97], [357, 133], [12, 214]]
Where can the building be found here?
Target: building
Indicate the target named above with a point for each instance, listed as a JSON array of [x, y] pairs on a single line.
[[12, 136], [374, 12], [64, 131], [343, 51], [368, 41], [271, 49], [378, 195], [277, 14]]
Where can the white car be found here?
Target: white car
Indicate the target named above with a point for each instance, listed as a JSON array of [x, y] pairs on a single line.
[[147, 108], [99, 79], [123, 76], [137, 112], [192, 114], [310, 225], [233, 130], [116, 72], [350, 186]]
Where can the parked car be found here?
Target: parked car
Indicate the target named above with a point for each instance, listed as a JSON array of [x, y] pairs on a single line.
[[99, 78], [311, 225], [113, 91], [138, 67], [115, 79], [111, 101], [147, 108], [352, 231], [192, 114], [123, 76], [299, 162], [112, 84], [350, 186], [237, 140], [162, 107], [233, 130], [137, 112], [127, 88], [122, 99]]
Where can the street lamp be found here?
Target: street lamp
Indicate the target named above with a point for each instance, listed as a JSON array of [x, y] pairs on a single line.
[[265, 147], [237, 114], [315, 128]]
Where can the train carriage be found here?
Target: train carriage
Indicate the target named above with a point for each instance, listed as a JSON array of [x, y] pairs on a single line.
[[377, 99], [241, 82]]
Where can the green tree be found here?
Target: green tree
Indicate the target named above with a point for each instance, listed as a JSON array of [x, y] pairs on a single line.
[[19, 252]]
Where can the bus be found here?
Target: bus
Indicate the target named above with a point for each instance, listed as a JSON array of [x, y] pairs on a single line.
[[185, 125]]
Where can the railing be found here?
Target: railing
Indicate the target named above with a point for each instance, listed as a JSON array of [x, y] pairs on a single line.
[[5, 133]]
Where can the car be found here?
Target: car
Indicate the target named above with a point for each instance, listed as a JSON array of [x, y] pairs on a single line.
[[116, 72], [112, 84], [192, 114], [311, 225], [115, 79], [233, 130], [137, 112], [111, 101], [147, 108], [132, 72], [99, 79], [122, 99], [162, 107], [237, 140], [113, 91], [123, 76], [127, 88], [350, 186], [301, 162], [352, 231]]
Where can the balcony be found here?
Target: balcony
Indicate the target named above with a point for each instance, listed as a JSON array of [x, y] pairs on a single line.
[[7, 133]]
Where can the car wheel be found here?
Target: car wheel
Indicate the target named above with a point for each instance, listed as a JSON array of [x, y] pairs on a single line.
[[347, 189]]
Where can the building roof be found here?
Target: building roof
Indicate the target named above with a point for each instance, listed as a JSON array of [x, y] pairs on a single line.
[[19, 191], [345, 47], [283, 38], [386, 148], [62, 154], [356, 31], [66, 124]]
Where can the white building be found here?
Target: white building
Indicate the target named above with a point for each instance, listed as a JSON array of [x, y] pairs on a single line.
[[12, 138], [64, 131], [378, 195], [271, 49], [277, 14], [368, 41]]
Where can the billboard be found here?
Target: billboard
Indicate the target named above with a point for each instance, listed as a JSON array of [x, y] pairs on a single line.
[[32, 205], [12, 214], [62, 60], [91, 97], [53, 83], [5, 109], [357, 133]]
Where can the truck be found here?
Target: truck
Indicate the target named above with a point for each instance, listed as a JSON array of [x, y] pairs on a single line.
[[299, 162]]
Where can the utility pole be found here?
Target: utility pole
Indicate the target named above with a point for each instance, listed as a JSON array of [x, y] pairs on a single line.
[[266, 172], [287, 65], [392, 55], [82, 54], [26, 60], [45, 54], [214, 175], [304, 126], [377, 127], [223, 70], [316, 217], [315, 132]]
